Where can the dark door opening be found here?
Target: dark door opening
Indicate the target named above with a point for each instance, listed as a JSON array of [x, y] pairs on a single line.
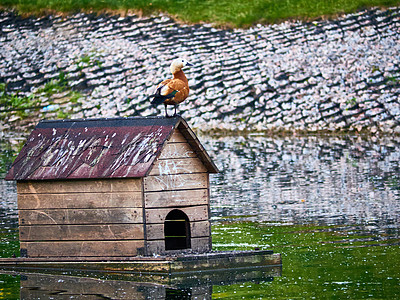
[[177, 230]]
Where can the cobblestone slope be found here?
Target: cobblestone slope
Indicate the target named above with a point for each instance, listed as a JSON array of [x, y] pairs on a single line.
[[329, 75]]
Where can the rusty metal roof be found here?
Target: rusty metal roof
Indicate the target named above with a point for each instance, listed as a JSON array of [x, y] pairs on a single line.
[[98, 148]]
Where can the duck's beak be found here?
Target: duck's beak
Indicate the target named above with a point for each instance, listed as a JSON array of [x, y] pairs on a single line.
[[188, 64]]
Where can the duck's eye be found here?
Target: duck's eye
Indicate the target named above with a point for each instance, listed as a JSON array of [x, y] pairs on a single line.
[[183, 60]]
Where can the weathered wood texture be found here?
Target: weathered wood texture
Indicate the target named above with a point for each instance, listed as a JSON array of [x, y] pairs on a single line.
[[80, 186], [177, 149], [162, 264], [82, 248], [175, 182], [85, 217], [200, 238], [177, 137], [176, 198], [81, 217], [194, 213], [199, 245], [197, 229], [178, 166], [80, 200], [192, 140], [81, 232], [218, 260], [178, 180]]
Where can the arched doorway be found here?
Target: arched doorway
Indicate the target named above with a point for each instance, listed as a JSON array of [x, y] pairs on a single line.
[[177, 230]]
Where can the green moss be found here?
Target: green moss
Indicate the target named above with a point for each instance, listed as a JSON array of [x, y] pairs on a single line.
[[63, 114], [88, 60], [13, 103], [352, 101], [74, 96], [51, 88], [391, 80]]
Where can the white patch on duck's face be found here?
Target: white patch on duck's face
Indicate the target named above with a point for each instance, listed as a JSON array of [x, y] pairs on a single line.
[[178, 64]]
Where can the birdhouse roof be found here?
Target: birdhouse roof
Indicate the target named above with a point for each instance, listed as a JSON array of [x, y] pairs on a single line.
[[99, 148]]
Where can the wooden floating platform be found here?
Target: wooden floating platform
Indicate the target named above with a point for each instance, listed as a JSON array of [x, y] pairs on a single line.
[[180, 263], [178, 268]]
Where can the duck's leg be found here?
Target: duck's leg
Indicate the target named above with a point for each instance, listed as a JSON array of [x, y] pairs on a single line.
[[166, 111], [176, 105]]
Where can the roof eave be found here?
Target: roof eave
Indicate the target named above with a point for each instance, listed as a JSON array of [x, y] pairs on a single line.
[[197, 146]]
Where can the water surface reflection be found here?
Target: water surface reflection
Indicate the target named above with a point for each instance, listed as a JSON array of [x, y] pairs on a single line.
[[330, 205], [298, 180], [46, 284]]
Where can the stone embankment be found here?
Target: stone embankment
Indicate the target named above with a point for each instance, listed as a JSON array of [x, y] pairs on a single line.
[[342, 74]]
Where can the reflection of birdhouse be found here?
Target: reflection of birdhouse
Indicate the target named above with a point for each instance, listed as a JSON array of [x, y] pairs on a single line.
[[113, 187]]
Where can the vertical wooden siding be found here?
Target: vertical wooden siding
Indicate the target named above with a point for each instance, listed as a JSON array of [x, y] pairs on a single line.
[[81, 217], [178, 180]]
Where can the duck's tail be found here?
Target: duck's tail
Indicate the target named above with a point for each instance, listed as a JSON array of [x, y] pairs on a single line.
[[158, 99]]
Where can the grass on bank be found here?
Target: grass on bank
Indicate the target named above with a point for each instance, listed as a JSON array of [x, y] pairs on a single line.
[[14, 105], [237, 13]]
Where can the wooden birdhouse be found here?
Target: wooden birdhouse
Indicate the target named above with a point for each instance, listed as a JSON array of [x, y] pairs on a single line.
[[117, 187]]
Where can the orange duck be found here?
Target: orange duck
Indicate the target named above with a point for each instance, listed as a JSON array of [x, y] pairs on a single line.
[[173, 91]]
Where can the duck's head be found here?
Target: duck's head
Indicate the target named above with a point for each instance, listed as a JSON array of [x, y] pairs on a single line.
[[178, 64]]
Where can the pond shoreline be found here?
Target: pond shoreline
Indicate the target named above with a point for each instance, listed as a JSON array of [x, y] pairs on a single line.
[[339, 76]]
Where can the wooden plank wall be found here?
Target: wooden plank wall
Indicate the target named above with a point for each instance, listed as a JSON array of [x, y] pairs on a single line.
[[178, 180], [78, 218]]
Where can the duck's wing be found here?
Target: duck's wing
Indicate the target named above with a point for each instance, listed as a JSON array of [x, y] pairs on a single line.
[[162, 93], [170, 91], [180, 88]]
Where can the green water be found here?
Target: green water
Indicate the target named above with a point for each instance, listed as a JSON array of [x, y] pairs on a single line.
[[9, 286], [319, 262], [330, 206]]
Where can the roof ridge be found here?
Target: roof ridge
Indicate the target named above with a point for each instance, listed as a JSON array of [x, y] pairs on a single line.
[[109, 119], [106, 122]]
